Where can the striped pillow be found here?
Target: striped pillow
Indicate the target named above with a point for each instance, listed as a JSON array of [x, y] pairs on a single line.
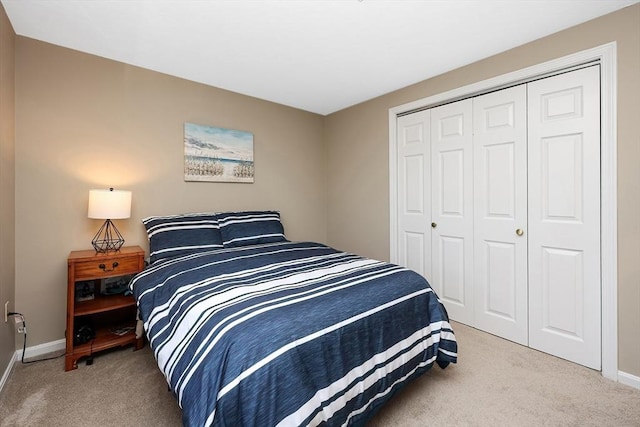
[[250, 228], [177, 235]]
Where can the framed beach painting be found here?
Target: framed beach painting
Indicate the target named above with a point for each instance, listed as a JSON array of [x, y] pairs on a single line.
[[216, 154]]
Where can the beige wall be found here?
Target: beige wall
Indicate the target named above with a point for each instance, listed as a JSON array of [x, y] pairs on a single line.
[[7, 202], [358, 169], [85, 122]]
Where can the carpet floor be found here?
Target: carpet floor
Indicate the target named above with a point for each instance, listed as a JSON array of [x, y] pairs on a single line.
[[494, 383]]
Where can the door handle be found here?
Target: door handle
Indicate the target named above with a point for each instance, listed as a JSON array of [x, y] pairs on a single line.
[[434, 225], [519, 231]]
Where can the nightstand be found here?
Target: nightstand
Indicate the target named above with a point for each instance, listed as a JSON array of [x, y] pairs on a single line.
[[99, 315]]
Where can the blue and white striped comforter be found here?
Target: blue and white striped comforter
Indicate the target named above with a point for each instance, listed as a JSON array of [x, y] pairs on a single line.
[[289, 333]]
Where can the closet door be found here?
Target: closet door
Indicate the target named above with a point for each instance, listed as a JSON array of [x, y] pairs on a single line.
[[414, 192], [452, 208], [564, 216], [500, 213]]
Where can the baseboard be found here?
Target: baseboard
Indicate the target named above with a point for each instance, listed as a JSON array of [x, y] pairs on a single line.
[[7, 372], [42, 349], [31, 352], [628, 379]]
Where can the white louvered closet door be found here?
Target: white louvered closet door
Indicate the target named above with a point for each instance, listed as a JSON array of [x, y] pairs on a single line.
[[414, 192], [564, 216], [500, 213], [452, 208]]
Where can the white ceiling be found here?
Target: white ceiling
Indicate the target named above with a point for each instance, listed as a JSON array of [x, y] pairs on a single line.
[[316, 55]]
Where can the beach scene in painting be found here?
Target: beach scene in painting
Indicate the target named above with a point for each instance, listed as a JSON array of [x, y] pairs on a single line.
[[217, 155]]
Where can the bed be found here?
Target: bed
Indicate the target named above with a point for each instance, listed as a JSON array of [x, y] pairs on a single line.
[[251, 329]]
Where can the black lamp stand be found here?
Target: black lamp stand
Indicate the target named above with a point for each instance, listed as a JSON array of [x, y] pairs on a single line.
[[108, 238]]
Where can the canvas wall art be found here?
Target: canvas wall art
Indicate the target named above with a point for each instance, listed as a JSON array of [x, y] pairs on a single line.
[[216, 154]]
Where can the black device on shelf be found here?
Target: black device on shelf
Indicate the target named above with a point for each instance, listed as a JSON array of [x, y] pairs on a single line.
[[83, 334]]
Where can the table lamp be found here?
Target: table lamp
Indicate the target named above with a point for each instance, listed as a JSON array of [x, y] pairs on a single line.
[[108, 204]]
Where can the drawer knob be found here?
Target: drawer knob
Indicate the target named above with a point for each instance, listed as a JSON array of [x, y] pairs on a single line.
[[104, 267]]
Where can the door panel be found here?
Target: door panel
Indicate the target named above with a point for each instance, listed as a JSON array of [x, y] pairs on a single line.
[[414, 250], [414, 183], [451, 268], [564, 216], [562, 175], [414, 192], [500, 279], [452, 208], [498, 174], [562, 292], [451, 179], [500, 208]]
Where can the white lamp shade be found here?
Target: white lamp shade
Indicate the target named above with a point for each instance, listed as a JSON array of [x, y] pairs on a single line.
[[109, 204]]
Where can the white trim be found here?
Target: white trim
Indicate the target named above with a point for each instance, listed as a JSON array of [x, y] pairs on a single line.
[[606, 56], [628, 379], [7, 372], [42, 349], [393, 185], [609, 208]]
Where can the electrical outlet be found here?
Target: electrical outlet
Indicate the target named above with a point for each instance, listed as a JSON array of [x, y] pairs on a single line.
[[6, 311]]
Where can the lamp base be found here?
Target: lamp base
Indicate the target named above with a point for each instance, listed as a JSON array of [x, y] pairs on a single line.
[[108, 238]]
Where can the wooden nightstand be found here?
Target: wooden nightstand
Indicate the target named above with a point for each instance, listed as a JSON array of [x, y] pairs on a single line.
[[108, 316]]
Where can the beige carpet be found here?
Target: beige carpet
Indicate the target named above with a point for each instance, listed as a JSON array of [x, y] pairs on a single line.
[[495, 383]]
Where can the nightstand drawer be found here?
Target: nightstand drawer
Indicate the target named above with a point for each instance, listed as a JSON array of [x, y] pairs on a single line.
[[106, 267]]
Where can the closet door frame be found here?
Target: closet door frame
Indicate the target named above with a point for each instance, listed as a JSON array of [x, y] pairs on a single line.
[[606, 56]]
